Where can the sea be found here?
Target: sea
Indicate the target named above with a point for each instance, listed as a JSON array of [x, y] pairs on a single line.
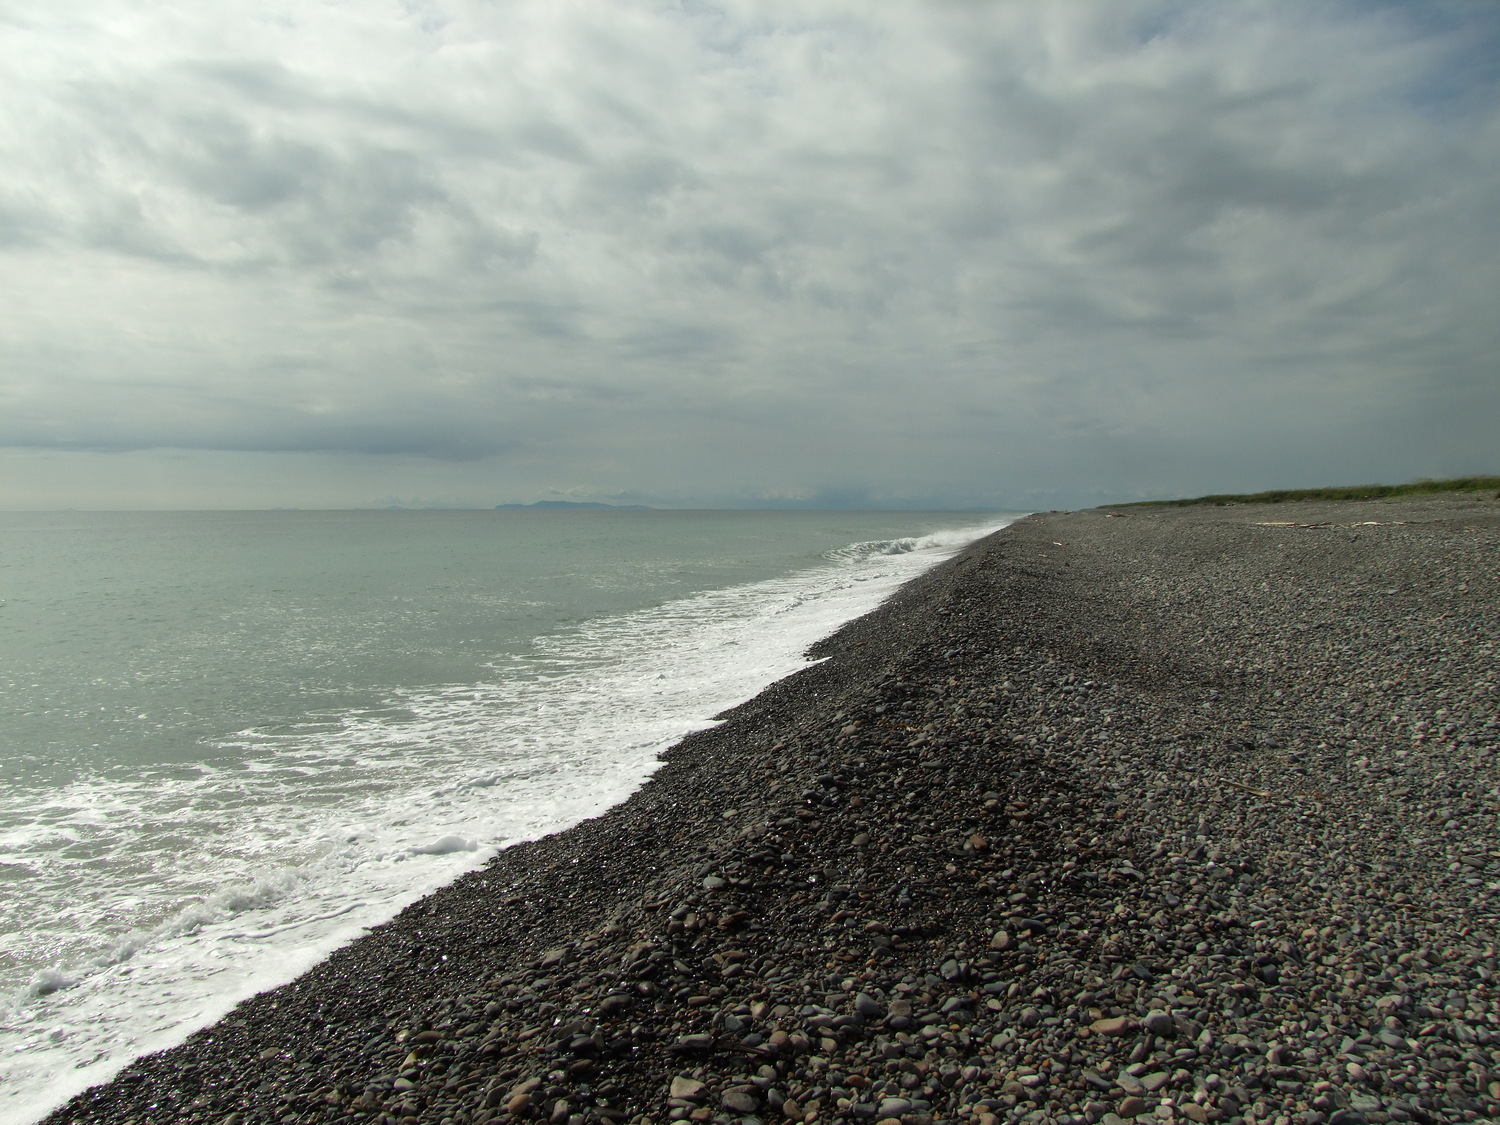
[[230, 742]]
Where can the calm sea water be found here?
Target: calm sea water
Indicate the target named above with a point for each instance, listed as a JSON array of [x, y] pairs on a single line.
[[231, 741]]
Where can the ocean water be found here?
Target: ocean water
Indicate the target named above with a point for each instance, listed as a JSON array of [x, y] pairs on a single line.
[[229, 742]]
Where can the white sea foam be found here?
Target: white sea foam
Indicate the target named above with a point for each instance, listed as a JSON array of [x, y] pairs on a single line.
[[226, 880]]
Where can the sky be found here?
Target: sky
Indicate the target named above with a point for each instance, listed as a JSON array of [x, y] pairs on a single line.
[[351, 253]]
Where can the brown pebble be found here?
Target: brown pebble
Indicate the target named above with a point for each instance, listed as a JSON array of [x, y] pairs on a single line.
[[519, 1106]]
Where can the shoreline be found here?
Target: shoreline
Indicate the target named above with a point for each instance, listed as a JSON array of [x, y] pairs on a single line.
[[498, 777], [1050, 737]]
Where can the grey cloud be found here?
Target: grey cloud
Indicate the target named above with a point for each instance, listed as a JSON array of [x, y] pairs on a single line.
[[223, 159], [265, 82], [184, 421], [837, 254], [674, 342]]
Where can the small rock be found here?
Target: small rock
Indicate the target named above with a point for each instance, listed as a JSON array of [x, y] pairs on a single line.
[[689, 1089], [691, 1044], [1113, 1026], [714, 883], [1160, 1024], [741, 1102], [1195, 1112], [1154, 1082], [867, 1007], [615, 1004], [1001, 940], [1132, 1107], [519, 1106], [893, 1107]]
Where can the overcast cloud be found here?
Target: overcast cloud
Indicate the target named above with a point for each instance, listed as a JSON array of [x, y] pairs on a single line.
[[1009, 254]]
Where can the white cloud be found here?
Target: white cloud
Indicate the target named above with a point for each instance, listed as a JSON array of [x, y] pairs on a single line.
[[701, 253]]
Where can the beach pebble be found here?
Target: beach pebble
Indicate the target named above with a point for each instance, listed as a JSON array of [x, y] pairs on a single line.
[[740, 1102], [1160, 1024], [520, 1105]]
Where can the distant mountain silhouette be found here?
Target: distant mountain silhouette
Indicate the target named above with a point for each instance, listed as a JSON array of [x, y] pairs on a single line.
[[578, 504]]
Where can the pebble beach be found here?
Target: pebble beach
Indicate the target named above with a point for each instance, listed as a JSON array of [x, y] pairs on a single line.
[[1151, 814]]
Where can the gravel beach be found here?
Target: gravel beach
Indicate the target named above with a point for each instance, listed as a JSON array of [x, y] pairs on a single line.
[[1154, 813]]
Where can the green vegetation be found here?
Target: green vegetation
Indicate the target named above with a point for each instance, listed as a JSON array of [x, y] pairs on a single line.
[[1353, 492]]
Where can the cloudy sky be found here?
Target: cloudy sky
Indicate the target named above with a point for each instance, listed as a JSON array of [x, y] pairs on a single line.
[[353, 252]]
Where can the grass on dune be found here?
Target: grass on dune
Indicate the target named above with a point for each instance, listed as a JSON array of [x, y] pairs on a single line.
[[1351, 492]]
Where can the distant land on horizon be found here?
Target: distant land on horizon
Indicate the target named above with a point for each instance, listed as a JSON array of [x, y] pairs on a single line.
[[578, 504]]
